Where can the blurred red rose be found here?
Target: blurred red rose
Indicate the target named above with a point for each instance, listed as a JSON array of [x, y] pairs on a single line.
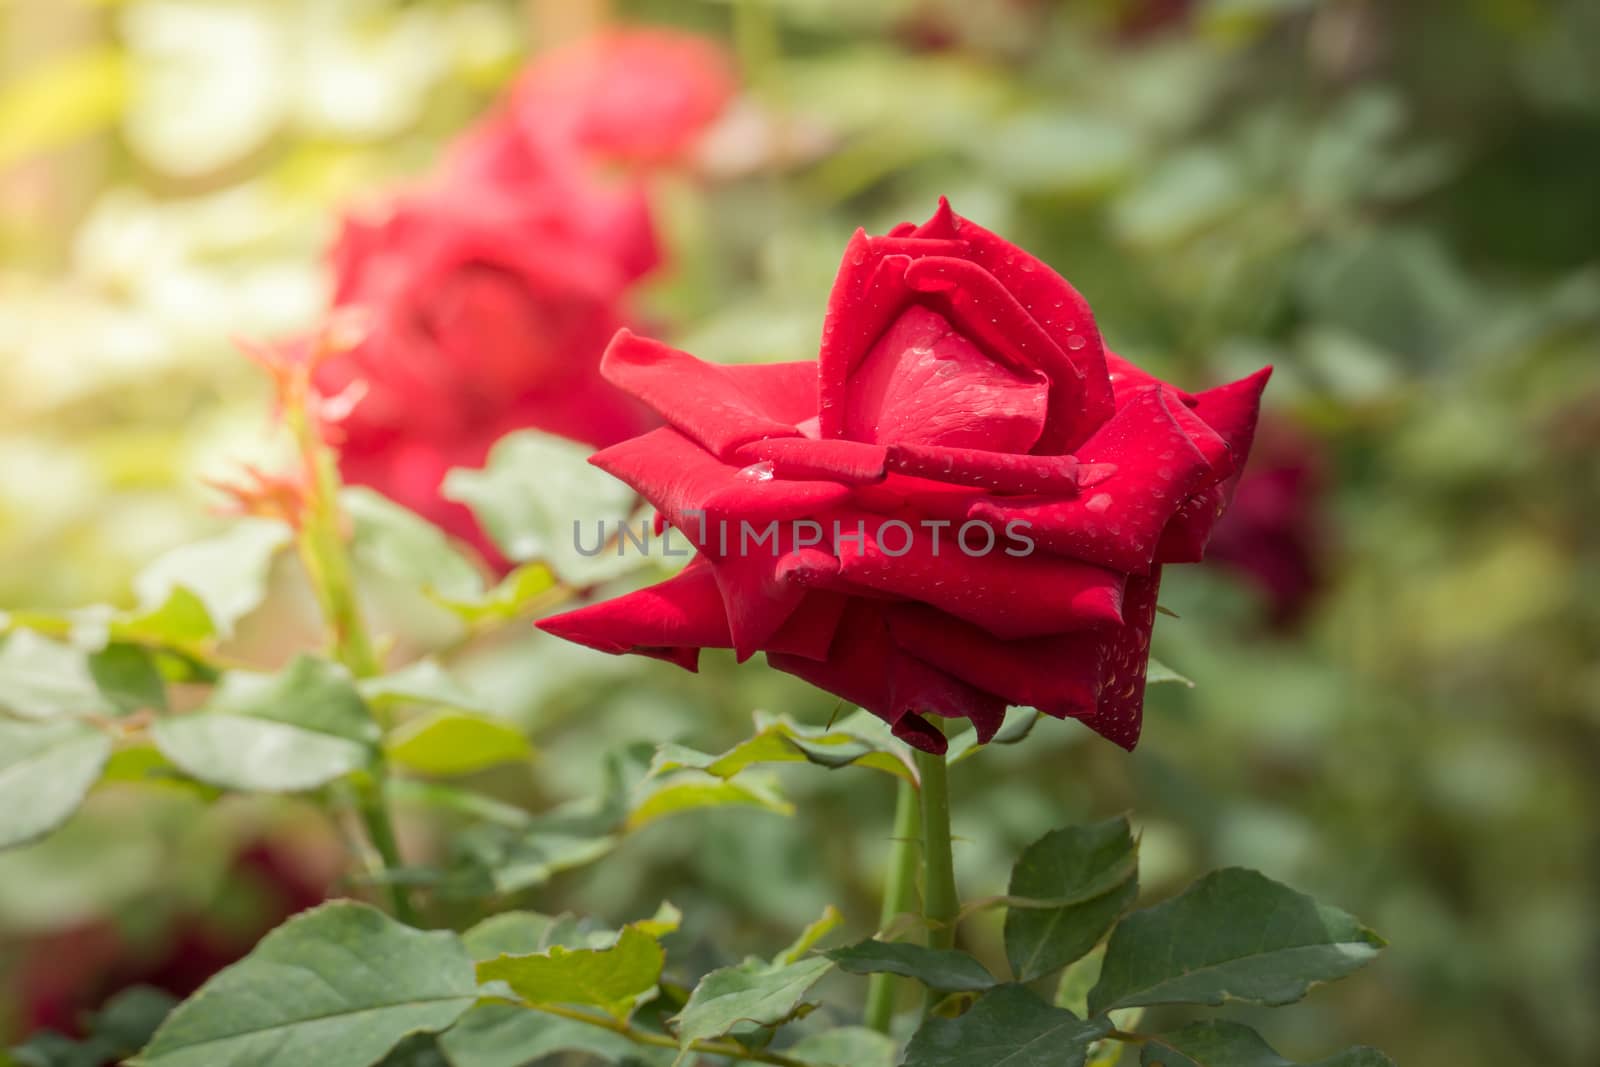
[[638, 97], [961, 382], [491, 292], [486, 313], [1272, 534]]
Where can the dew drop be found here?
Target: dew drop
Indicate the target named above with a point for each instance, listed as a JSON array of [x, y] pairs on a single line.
[[1094, 473], [1098, 503], [756, 472], [1076, 342]]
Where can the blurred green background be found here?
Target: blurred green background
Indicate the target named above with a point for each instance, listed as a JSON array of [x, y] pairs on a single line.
[[1396, 204]]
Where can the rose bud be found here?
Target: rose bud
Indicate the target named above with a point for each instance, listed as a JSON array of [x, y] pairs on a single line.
[[964, 504]]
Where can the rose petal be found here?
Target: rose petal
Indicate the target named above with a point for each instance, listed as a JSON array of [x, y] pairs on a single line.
[[924, 383], [918, 688], [986, 312], [996, 472], [711, 502], [849, 462], [868, 670], [1231, 411], [702, 400], [811, 628], [672, 620], [1119, 716], [1010, 596], [1118, 522], [1128, 379], [1059, 676], [867, 295], [1056, 305]]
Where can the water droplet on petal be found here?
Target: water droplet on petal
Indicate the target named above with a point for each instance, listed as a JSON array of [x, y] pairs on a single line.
[[1076, 342], [1094, 473], [756, 472], [1098, 503]]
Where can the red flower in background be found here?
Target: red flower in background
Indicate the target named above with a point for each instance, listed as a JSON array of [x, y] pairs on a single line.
[[487, 313], [636, 97], [1271, 534], [491, 292], [960, 381]]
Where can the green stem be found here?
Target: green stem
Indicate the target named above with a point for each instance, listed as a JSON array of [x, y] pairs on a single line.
[[730, 1049], [940, 904], [898, 888], [327, 562], [374, 810]]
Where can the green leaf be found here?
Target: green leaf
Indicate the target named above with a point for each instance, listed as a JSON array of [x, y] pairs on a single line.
[[41, 678], [418, 1050], [337, 986], [1007, 1027], [1157, 672], [423, 682], [533, 489], [612, 979], [754, 992], [281, 733], [179, 621], [505, 1035], [399, 543], [256, 755], [131, 1018], [46, 769], [127, 676], [781, 740], [1233, 935], [825, 924], [688, 791], [510, 933], [1229, 1044], [118, 1030], [449, 743], [848, 1046], [947, 970], [515, 595], [227, 574], [1090, 873], [311, 693], [532, 858]]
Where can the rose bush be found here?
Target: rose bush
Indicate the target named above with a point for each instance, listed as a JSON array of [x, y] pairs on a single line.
[[962, 390], [491, 291]]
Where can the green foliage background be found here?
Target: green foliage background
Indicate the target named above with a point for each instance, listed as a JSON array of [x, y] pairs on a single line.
[[1394, 203]]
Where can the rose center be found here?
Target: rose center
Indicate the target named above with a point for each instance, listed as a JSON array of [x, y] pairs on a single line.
[[924, 383]]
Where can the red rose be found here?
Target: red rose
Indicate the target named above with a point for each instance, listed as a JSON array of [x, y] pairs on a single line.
[[1271, 533], [638, 97], [487, 313], [961, 381], [493, 291]]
